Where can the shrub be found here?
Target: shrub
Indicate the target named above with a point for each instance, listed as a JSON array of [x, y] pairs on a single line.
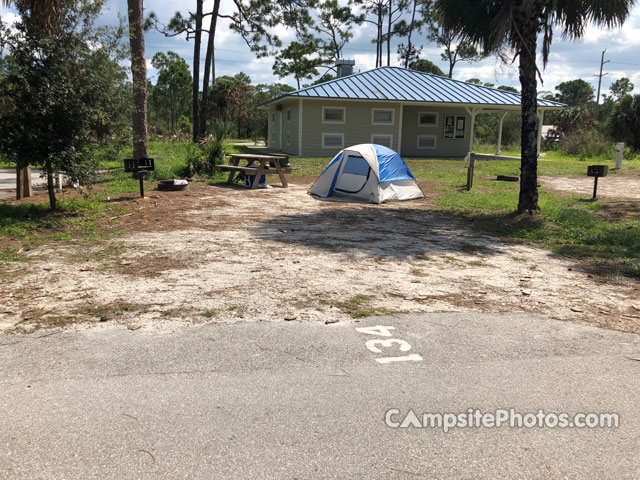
[[587, 143], [202, 158]]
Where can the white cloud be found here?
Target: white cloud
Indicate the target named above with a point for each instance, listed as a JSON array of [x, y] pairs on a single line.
[[9, 18], [568, 60]]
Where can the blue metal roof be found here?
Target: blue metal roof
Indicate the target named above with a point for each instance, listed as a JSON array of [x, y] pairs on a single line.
[[403, 85]]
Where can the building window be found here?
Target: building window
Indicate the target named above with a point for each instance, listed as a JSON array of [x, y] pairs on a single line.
[[273, 117], [332, 140], [382, 116], [288, 114], [380, 139], [454, 126], [427, 119], [333, 114], [288, 139], [426, 142]]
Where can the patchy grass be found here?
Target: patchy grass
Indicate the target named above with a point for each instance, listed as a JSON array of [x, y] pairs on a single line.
[[33, 222], [567, 225], [468, 247], [10, 254], [112, 310], [357, 306], [209, 313]]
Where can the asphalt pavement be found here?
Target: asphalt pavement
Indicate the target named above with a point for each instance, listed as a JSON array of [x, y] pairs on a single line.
[[293, 400]]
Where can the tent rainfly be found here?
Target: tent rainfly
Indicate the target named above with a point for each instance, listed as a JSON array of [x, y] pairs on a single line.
[[368, 172]]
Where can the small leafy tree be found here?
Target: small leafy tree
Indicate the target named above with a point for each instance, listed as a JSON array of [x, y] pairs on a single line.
[[299, 59], [172, 92], [575, 93], [624, 125], [427, 66], [58, 99], [620, 88], [454, 48]]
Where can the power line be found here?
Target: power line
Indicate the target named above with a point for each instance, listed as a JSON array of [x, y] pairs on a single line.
[[169, 46]]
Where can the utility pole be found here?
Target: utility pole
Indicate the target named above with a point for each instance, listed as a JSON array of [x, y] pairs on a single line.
[[602, 62]]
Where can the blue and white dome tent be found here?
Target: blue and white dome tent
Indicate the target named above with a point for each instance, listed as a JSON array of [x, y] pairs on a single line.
[[368, 172]]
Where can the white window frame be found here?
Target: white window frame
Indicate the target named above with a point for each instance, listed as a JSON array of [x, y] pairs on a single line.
[[435, 142], [428, 125], [373, 116], [324, 135], [383, 135], [344, 115], [455, 127]]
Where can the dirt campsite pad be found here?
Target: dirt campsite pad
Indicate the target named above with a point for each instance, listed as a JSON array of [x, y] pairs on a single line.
[[219, 254], [622, 185]]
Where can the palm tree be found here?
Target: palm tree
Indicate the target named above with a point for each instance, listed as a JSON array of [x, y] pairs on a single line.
[[499, 25], [139, 76]]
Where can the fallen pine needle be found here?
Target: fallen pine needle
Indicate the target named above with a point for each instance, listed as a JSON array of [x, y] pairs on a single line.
[[120, 216]]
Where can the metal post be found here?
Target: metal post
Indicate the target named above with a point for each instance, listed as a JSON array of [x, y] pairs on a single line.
[[500, 124], [141, 177], [595, 187], [539, 140]]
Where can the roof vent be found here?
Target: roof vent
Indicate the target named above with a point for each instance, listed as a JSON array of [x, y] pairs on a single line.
[[344, 67]]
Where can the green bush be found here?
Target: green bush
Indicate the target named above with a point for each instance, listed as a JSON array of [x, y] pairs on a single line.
[[166, 172], [587, 143], [202, 158], [196, 159]]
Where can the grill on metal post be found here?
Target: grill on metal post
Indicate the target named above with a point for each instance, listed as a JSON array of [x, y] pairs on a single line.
[[597, 171], [139, 167]]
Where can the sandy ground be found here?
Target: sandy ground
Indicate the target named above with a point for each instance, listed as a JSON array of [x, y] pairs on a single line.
[[217, 254], [620, 185]]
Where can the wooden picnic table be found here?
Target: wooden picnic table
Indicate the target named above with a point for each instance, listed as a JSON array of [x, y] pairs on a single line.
[[257, 165]]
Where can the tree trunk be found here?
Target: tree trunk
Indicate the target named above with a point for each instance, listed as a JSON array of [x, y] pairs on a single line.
[[196, 72], [208, 64], [528, 200], [409, 47], [453, 58], [51, 184], [173, 112], [139, 74], [23, 182], [389, 33], [378, 40]]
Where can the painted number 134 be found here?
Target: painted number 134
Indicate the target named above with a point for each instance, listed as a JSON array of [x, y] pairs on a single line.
[[376, 345]]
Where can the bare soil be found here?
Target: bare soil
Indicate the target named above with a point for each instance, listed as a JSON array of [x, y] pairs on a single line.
[[220, 254], [621, 185]]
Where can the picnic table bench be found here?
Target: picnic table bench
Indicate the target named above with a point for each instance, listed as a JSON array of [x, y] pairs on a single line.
[[257, 165]]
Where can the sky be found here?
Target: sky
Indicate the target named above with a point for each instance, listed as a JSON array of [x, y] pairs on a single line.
[[568, 60]]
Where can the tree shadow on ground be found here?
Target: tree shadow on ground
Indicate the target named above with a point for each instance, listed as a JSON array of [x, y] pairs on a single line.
[[378, 231], [605, 250]]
